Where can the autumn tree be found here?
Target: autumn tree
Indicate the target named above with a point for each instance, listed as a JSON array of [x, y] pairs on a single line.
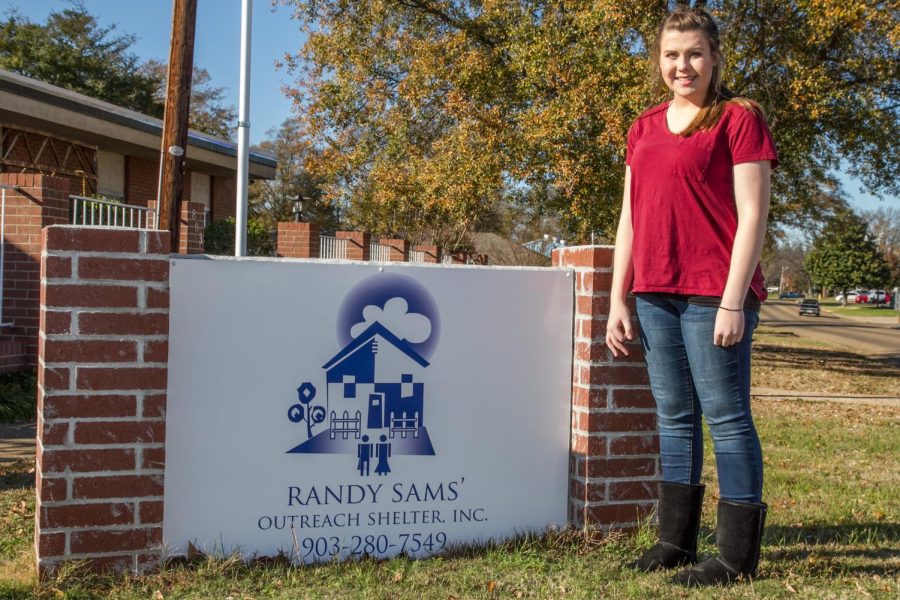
[[271, 201], [844, 256], [210, 112], [428, 112], [71, 50]]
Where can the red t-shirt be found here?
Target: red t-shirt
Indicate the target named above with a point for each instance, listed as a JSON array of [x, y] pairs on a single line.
[[682, 200]]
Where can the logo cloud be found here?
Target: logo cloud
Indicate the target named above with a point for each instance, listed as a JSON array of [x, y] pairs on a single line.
[[396, 318]]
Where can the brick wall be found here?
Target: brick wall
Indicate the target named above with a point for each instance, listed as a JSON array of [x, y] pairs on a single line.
[[141, 180], [190, 234], [399, 248], [40, 200], [615, 446], [222, 198], [432, 252], [357, 244], [298, 240], [102, 380], [101, 398]]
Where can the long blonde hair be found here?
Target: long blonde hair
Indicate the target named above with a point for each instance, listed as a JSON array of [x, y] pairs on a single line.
[[717, 96]]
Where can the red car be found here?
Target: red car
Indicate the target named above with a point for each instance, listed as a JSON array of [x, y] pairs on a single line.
[[879, 297]]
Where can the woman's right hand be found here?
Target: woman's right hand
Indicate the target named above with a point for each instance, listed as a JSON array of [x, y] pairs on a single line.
[[618, 329]]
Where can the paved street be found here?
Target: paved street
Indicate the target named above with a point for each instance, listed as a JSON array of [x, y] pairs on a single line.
[[874, 339]]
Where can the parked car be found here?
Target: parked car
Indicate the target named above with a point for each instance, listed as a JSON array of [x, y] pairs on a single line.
[[809, 307], [791, 295], [879, 297], [853, 296]]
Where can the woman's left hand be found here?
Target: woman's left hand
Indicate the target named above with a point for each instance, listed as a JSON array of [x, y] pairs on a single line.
[[729, 327]]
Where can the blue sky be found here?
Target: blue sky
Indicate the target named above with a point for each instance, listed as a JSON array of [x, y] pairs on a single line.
[[217, 46], [217, 49]]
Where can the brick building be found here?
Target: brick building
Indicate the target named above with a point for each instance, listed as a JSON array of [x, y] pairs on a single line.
[[55, 144]]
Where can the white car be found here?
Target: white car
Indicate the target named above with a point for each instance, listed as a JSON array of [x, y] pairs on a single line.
[[851, 295], [879, 296]]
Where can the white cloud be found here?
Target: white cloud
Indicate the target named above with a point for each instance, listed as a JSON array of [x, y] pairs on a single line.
[[396, 318]]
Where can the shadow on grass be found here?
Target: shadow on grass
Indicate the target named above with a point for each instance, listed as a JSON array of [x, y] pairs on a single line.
[[855, 533], [835, 361], [17, 476], [852, 549]]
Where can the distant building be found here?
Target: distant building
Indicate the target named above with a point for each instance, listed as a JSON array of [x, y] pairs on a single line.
[[55, 143]]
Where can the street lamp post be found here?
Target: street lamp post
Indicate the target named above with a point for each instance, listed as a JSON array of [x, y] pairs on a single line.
[[299, 201]]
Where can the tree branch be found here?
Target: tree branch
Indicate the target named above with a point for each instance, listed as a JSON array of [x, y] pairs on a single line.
[[470, 28]]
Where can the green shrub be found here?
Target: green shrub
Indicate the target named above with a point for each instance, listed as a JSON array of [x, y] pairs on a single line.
[[18, 394], [219, 238]]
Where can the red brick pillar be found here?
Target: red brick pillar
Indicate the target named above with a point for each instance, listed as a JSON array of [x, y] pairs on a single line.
[[432, 252], [615, 445], [298, 240], [357, 244], [190, 233], [39, 201], [399, 248], [102, 379]]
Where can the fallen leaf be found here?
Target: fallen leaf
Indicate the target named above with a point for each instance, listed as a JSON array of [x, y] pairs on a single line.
[[398, 576], [491, 586], [158, 595], [790, 588]]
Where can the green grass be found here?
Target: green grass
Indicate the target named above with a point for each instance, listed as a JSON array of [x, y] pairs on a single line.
[[833, 530], [859, 310], [782, 360], [832, 484], [18, 394]]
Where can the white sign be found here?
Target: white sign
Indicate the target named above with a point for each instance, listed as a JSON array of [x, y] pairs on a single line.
[[321, 409]]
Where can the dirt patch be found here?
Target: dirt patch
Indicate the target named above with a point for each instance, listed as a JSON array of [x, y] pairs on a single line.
[[783, 361]]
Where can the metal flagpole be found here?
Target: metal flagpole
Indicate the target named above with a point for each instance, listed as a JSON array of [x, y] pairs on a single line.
[[243, 150]]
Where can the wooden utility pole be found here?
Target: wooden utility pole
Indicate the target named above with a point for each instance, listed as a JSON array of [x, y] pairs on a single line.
[[175, 121]]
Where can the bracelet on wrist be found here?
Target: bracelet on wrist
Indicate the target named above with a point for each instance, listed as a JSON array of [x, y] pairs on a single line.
[[731, 309]]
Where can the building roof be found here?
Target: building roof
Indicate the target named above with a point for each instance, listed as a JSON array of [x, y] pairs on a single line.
[[28, 103]]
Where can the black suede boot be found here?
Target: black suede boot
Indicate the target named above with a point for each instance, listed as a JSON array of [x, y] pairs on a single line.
[[679, 524], [738, 536]]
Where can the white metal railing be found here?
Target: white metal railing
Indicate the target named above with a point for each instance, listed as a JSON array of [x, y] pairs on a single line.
[[3, 188], [447, 259], [108, 213], [379, 252], [332, 247], [416, 256]]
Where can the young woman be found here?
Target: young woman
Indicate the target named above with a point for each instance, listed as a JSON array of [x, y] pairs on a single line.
[[688, 246]]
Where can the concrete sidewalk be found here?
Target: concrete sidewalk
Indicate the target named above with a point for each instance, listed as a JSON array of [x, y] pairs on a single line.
[[16, 441], [775, 394]]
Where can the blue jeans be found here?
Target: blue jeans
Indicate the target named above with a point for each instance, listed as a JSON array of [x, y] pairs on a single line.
[[690, 377]]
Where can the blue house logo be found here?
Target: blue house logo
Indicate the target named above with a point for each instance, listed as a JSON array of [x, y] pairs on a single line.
[[374, 406]]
